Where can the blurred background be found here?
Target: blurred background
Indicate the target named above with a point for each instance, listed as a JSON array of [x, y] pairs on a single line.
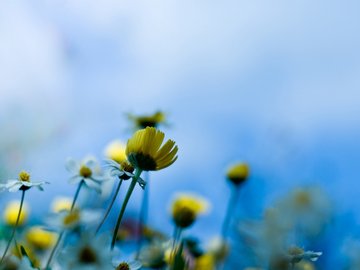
[[275, 84]]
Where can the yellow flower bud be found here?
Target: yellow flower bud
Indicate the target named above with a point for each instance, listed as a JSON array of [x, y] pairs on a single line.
[[61, 204], [238, 173], [115, 150]]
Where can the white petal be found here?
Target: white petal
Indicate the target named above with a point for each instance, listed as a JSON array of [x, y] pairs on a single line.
[[75, 179], [93, 184], [72, 166]]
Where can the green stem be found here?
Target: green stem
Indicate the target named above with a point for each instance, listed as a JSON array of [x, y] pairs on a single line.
[[110, 206], [76, 194], [63, 232], [176, 236], [143, 215], [14, 229], [123, 207], [54, 249], [229, 211]]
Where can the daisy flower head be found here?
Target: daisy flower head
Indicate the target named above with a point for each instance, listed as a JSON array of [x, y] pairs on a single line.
[[145, 151], [89, 253], [87, 171], [134, 265], [22, 183], [186, 207], [115, 150], [143, 121], [238, 173]]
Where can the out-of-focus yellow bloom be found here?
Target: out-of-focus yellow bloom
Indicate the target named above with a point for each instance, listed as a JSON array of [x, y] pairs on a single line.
[[144, 121], [205, 262], [40, 238], [305, 265], [186, 208], [61, 204], [115, 150], [238, 173], [11, 213], [144, 150]]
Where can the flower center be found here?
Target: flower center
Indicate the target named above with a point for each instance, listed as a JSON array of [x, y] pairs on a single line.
[[123, 266], [302, 198], [71, 218], [145, 162], [24, 176], [85, 171], [87, 255]]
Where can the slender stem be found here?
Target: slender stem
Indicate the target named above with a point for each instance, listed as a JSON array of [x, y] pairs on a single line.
[[110, 206], [123, 207], [14, 229], [63, 232], [229, 211], [176, 236], [143, 215], [76, 194], [54, 249]]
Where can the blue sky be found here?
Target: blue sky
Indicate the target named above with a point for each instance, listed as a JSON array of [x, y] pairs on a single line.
[[275, 83]]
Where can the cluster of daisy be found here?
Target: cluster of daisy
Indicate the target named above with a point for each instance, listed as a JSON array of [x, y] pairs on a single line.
[[74, 237]]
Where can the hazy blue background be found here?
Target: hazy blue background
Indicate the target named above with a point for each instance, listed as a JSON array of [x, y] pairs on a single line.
[[274, 83]]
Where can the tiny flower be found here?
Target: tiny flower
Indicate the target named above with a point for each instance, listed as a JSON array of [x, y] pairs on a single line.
[[22, 183], [115, 150], [205, 262], [40, 238], [61, 203], [68, 220], [297, 254], [185, 209], [144, 121], [134, 265], [11, 212], [124, 171], [88, 253], [88, 171], [153, 255], [144, 150], [238, 173]]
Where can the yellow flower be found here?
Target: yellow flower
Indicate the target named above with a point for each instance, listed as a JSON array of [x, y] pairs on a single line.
[[115, 150], [238, 173], [40, 239], [144, 150], [186, 208], [304, 265], [11, 213], [144, 121], [205, 262], [60, 204]]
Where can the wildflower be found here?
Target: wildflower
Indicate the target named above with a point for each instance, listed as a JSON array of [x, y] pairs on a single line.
[[134, 265], [115, 150], [123, 170], [144, 152], [11, 213], [14, 263], [22, 183], [147, 120], [219, 248], [87, 171], [238, 173], [186, 208], [297, 254], [307, 208], [205, 262], [40, 238], [88, 253], [60, 204], [153, 255]]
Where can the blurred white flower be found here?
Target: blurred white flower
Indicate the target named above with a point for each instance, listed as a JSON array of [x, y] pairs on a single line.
[[89, 253], [88, 171]]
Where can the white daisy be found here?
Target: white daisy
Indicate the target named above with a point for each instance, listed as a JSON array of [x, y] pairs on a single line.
[[22, 183], [87, 171], [89, 254], [123, 171], [125, 265]]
